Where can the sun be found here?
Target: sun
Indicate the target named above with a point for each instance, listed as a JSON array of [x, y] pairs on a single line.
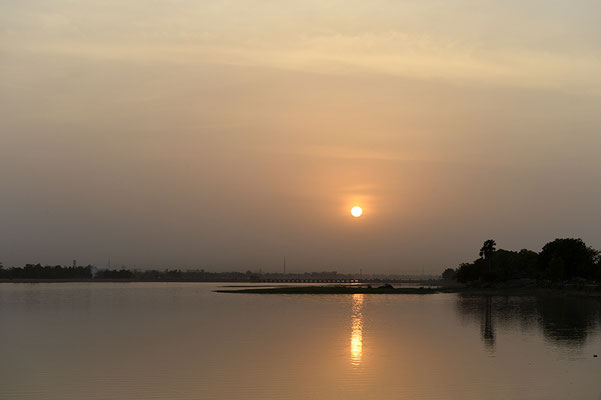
[[356, 211]]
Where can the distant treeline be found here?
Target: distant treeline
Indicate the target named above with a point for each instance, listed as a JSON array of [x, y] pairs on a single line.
[[37, 271], [559, 261], [58, 272], [31, 271]]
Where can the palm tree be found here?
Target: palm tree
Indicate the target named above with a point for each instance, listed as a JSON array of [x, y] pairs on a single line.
[[487, 250]]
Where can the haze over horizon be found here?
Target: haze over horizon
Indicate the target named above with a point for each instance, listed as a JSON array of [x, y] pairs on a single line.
[[230, 134]]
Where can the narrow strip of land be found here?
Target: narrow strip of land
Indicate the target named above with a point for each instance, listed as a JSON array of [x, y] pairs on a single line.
[[491, 291], [333, 290]]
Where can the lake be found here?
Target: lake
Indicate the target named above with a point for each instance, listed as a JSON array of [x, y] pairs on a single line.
[[182, 341]]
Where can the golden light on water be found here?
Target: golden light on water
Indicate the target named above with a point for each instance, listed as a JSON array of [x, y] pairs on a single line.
[[357, 330]]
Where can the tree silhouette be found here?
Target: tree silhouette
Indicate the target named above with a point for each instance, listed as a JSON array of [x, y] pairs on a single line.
[[568, 258], [449, 274], [487, 250]]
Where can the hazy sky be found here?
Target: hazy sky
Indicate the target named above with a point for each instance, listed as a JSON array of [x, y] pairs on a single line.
[[229, 134]]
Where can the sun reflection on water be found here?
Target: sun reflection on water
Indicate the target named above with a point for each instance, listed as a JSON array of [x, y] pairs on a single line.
[[357, 330]]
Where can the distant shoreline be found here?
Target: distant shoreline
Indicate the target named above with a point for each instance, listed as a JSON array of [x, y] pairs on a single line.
[[234, 282], [245, 288], [64, 280], [95, 280], [519, 291]]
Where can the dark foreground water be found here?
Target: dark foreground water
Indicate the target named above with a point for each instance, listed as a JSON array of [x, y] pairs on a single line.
[[182, 341]]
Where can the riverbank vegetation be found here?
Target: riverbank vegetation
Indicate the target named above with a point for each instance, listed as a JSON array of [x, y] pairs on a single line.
[[560, 261]]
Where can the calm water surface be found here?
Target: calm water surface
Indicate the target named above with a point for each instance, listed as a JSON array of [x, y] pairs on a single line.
[[182, 341]]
